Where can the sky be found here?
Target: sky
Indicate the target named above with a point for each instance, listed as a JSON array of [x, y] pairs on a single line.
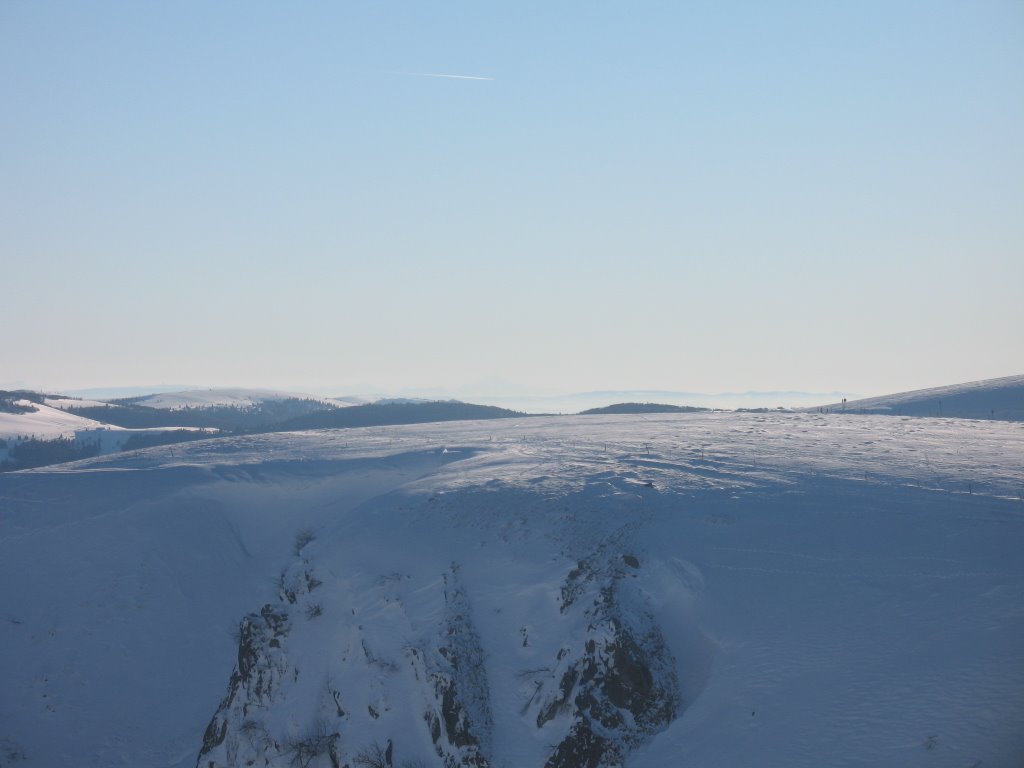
[[705, 197]]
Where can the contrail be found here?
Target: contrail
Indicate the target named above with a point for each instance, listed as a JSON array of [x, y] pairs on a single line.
[[450, 77]]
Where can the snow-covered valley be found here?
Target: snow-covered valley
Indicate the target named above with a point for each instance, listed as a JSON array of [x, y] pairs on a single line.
[[715, 589]]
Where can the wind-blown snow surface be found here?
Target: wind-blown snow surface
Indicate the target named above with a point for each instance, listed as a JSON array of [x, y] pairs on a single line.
[[799, 589]]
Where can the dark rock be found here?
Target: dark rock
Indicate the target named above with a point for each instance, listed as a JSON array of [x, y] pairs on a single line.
[[559, 703], [214, 735], [336, 696], [461, 724], [257, 673], [583, 748], [619, 683], [434, 723]]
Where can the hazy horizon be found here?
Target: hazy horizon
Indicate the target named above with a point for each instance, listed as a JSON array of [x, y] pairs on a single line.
[[535, 401]]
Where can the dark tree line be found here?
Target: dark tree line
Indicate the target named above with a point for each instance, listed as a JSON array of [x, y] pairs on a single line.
[[271, 416], [643, 408], [284, 415], [26, 454], [252, 418], [9, 398]]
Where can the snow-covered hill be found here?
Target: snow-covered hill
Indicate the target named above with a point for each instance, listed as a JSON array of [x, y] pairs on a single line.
[[44, 423], [681, 589], [584, 401], [65, 403], [230, 397], [32, 424], [1001, 398]]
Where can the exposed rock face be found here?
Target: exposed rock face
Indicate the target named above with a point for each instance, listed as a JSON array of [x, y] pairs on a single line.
[[583, 748], [404, 660], [447, 666], [460, 720], [617, 684], [232, 738], [236, 735]]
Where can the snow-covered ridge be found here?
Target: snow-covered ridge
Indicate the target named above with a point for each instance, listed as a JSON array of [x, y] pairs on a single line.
[[231, 397], [63, 403], [1001, 398]]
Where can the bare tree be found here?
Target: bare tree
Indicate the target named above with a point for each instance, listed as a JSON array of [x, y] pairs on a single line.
[[314, 742], [374, 756]]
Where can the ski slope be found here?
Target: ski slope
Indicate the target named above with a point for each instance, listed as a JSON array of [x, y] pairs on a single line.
[[823, 589]]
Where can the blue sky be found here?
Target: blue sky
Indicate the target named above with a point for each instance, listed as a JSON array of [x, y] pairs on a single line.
[[702, 197]]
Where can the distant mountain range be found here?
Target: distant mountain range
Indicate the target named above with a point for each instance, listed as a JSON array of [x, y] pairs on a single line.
[[583, 401], [37, 429]]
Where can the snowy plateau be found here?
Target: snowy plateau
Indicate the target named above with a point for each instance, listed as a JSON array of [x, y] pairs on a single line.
[[655, 590]]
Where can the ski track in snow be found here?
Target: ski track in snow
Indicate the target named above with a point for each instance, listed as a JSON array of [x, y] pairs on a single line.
[[836, 590]]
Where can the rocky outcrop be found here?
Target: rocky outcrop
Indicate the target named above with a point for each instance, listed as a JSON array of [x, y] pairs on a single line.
[[233, 737], [583, 748], [460, 720], [615, 685], [254, 724], [393, 657], [236, 735]]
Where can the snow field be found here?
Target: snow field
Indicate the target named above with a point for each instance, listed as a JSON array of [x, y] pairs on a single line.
[[841, 590]]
